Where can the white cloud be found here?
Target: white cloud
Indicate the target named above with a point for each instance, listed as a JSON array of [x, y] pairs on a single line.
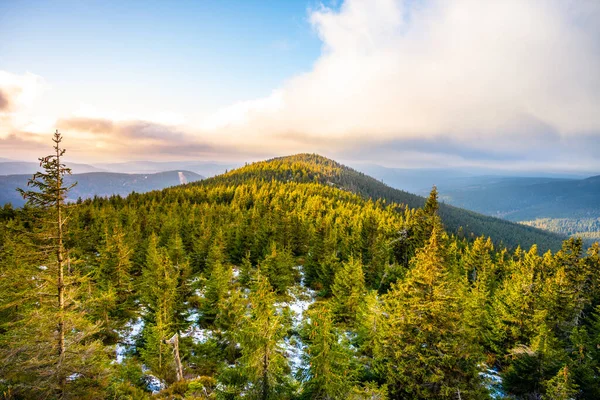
[[485, 71], [461, 82]]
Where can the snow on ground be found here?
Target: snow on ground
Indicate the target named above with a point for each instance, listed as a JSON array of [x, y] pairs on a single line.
[[493, 382], [153, 384], [199, 335], [301, 299], [128, 335]]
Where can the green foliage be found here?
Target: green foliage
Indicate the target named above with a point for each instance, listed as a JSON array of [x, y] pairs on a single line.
[[348, 290], [425, 350], [410, 310], [330, 374], [261, 333], [561, 387], [278, 268]]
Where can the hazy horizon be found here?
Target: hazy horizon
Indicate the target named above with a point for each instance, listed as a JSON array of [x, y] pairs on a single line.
[[508, 85]]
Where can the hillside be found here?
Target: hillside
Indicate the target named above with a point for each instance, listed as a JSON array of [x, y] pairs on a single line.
[[314, 168], [565, 206], [519, 199], [289, 261], [99, 184]]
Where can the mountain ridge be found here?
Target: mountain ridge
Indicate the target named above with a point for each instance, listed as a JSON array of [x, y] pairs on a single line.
[[102, 184], [301, 167]]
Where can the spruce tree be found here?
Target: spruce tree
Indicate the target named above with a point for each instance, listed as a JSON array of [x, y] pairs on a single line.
[[261, 336], [425, 350], [561, 386], [50, 348], [348, 290], [160, 296], [329, 374]]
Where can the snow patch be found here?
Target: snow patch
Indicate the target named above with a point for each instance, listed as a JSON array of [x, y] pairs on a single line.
[[301, 300], [128, 336], [493, 382], [198, 335], [182, 178], [153, 384]]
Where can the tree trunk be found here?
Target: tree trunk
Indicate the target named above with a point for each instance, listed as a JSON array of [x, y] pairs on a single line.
[[265, 382], [60, 283]]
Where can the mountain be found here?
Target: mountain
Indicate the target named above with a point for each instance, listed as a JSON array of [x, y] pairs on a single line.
[[314, 168], [10, 167], [566, 206], [204, 168], [301, 262], [420, 180], [100, 184], [519, 199]]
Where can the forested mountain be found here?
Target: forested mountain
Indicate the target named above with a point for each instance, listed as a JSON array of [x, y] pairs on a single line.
[[283, 280], [314, 168], [566, 206], [520, 199], [101, 184]]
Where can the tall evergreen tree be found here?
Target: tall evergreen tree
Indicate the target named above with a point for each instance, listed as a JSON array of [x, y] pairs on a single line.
[[329, 374], [50, 348], [425, 350], [348, 290], [261, 335]]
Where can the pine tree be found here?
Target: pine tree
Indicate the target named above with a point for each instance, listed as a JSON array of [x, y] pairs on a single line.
[[261, 335], [432, 206], [50, 347], [160, 295], [215, 290], [481, 272], [561, 386], [329, 374], [425, 350], [114, 297], [347, 290], [278, 267]]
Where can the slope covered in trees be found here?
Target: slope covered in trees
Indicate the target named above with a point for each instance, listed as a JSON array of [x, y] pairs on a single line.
[[315, 168], [520, 199], [275, 281]]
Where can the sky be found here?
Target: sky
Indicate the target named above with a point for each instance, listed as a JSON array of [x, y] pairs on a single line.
[[505, 84]]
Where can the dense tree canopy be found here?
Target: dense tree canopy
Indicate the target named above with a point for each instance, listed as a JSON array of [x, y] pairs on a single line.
[[291, 279]]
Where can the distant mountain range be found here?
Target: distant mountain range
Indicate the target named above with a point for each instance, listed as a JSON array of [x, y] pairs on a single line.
[[562, 203], [204, 168], [520, 199], [100, 184]]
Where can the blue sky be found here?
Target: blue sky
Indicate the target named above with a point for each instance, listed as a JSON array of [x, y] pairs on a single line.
[[506, 84], [230, 49]]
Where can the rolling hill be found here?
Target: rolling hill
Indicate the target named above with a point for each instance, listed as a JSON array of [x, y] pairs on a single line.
[[315, 168], [100, 184], [565, 206], [11, 167], [520, 199]]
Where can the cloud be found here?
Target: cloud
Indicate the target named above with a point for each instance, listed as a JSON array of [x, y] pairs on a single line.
[[502, 77], [408, 83], [4, 102]]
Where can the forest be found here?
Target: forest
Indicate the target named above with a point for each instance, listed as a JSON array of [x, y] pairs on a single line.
[[293, 278]]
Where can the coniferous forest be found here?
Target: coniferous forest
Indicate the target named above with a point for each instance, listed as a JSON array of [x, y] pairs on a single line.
[[293, 278]]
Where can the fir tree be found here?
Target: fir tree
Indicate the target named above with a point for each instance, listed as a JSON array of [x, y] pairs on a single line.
[[50, 347], [261, 335], [329, 375], [347, 290], [561, 386], [425, 350]]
